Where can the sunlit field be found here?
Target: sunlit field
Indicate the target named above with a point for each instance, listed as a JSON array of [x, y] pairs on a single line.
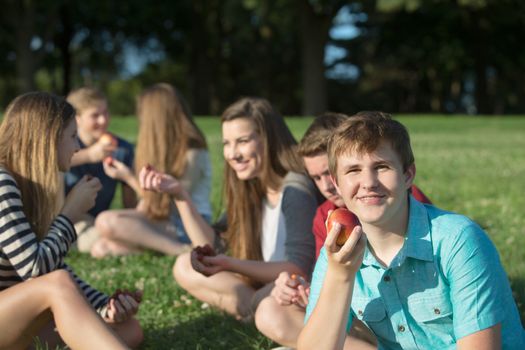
[[471, 165]]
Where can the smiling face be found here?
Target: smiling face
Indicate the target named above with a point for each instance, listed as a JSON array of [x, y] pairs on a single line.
[[67, 146], [374, 186], [317, 168], [242, 148], [93, 122]]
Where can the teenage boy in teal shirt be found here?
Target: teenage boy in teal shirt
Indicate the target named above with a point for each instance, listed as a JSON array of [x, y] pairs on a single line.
[[417, 276]]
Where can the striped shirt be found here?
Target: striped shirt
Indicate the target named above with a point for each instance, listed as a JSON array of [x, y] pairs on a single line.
[[23, 256]]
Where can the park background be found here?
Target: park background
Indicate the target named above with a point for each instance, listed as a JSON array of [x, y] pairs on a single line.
[[451, 70]]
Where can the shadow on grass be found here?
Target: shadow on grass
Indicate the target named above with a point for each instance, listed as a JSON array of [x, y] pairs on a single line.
[[208, 331]]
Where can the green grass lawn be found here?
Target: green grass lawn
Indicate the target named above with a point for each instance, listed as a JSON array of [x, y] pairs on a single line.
[[474, 166]]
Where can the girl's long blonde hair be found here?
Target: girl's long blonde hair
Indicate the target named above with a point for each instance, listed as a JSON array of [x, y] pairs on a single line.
[[29, 137], [166, 133], [244, 198]]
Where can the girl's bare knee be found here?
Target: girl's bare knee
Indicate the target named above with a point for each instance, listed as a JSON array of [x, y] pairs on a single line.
[[264, 315], [61, 281], [104, 223], [182, 270]]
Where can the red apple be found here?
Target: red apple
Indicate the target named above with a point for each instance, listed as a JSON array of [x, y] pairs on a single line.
[[205, 250], [347, 220], [109, 140], [108, 160], [300, 279], [200, 253], [135, 295]]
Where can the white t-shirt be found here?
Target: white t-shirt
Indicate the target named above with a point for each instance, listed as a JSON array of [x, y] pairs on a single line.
[[273, 236]]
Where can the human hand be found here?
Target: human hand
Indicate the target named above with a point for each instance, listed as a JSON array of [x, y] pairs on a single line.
[[152, 180], [115, 169], [81, 198], [301, 299], [208, 264], [345, 260], [285, 288], [122, 305], [101, 149]]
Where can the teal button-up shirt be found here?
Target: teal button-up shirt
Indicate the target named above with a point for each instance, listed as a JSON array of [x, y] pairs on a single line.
[[445, 283]]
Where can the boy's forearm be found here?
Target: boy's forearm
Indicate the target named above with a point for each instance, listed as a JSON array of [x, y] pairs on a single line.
[[326, 327], [80, 157]]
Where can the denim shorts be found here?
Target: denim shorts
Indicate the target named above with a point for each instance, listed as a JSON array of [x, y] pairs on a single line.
[[180, 231]]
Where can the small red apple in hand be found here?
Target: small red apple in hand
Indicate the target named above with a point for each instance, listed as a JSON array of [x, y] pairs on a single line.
[[137, 295], [108, 160], [205, 250], [109, 140], [199, 253], [347, 220]]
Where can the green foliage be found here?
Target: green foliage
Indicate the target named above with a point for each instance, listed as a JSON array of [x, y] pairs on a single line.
[[473, 166]]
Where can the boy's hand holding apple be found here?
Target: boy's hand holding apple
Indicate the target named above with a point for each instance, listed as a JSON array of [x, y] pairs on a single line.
[[108, 139], [347, 220], [104, 147], [344, 259]]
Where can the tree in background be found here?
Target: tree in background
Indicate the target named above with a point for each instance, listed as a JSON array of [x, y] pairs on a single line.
[[408, 55]]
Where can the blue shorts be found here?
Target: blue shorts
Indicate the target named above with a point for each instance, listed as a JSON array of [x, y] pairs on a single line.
[[182, 236]]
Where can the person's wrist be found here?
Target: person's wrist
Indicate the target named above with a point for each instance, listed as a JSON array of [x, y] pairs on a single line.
[[91, 155], [228, 263], [70, 215], [180, 196], [129, 177], [341, 272]]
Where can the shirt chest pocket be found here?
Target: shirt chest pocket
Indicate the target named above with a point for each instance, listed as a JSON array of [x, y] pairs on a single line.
[[433, 313], [372, 313]]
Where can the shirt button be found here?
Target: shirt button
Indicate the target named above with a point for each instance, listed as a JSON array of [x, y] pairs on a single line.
[[386, 278], [437, 311], [401, 328]]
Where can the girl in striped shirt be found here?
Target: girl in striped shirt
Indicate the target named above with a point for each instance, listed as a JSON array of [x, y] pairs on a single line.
[[37, 140]]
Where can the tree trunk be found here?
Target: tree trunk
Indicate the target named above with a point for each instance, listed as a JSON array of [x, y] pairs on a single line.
[[25, 59], [200, 65], [64, 40], [314, 37]]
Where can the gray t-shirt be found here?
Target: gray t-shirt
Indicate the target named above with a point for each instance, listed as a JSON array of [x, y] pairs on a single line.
[[298, 206]]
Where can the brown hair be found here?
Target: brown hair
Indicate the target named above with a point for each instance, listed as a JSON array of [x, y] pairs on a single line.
[[315, 139], [85, 97], [38, 120], [244, 197], [166, 133], [364, 132]]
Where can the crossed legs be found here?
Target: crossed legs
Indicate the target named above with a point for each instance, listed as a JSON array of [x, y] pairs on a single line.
[[26, 308], [224, 290]]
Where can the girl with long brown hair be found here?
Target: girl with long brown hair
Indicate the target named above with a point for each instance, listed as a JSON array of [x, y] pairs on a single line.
[[270, 204], [170, 141], [37, 141]]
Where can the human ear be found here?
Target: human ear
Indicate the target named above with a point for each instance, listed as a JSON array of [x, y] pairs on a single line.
[[410, 174], [334, 182]]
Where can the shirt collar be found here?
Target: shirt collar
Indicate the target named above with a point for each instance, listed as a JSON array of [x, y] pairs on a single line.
[[418, 240]]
